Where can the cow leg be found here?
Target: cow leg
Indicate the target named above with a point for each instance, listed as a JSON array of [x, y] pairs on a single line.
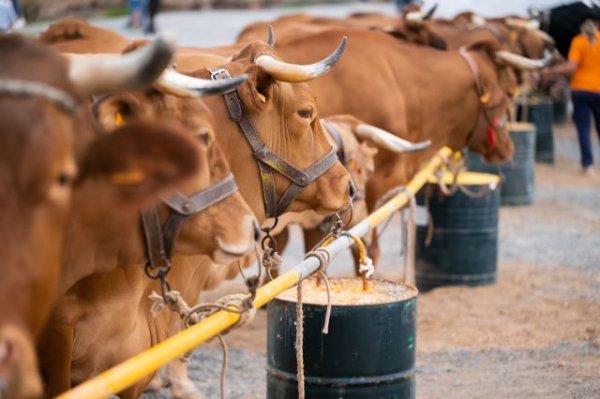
[[180, 384], [157, 383], [55, 350]]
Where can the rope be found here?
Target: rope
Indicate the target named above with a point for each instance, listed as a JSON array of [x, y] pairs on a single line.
[[409, 239], [241, 304]]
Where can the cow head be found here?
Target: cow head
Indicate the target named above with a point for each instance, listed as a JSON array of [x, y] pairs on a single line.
[[227, 229], [42, 92], [490, 136], [283, 111], [532, 41], [498, 82], [361, 142]]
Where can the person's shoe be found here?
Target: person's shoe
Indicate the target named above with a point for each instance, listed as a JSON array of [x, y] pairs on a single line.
[[19, 23], [587, 171]]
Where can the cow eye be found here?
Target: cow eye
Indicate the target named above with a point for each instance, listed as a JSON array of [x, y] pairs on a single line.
[[64, 179], [306, 113]]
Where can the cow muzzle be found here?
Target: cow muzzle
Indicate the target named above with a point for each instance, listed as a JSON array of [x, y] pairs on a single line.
[[19, 376]]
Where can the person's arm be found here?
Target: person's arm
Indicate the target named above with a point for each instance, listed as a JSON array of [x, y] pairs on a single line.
[[565, 68]]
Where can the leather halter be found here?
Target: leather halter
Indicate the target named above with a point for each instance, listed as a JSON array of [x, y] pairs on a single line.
[[27, 88], [160, 239], [335, 135], [493, 123], [269, 162]]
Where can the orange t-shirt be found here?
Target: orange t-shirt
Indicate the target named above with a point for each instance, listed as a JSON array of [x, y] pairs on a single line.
[[587, 58]]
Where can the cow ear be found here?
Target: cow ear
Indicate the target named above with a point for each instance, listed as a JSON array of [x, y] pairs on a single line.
[[113, 111], [142, 160], [257, 91]]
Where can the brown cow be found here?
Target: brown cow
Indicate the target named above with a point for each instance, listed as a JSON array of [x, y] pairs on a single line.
[[43, 146], [304, 24], [104, 264], [75, 35], [279, 122], [414, 92]]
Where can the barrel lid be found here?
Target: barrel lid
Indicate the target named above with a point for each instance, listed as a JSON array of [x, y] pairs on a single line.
[[469, 179], [521, 127], [349, 292]]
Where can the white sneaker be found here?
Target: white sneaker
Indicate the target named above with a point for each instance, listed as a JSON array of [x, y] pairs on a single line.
[[19, 23]]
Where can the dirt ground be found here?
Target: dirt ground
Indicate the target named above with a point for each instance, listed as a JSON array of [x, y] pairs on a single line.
[[533, 334]]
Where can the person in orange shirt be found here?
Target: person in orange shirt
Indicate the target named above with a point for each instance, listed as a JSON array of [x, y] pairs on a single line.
[[584, 65]]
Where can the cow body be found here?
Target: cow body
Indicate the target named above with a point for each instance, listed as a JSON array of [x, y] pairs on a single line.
[[47, 162], [411, 91]]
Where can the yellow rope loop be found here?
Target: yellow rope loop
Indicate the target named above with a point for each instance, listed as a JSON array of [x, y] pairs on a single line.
[[366, 267]]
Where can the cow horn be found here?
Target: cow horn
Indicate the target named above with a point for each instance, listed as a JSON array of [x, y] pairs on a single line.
[[387, 140], [431, 11], [420, 16], [271, 38], [521, 62], [106, 73], [294, 73], [477, 20], [530, 24], [186, 86]]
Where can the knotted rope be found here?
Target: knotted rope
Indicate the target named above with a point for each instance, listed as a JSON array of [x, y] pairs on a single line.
[[241, 304]]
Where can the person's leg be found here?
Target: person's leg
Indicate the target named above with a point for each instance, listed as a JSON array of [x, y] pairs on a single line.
[[595, 105], [582, 119], [17, 7]]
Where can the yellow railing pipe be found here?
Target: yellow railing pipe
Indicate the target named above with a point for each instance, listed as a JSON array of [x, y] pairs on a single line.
[[127, 373]]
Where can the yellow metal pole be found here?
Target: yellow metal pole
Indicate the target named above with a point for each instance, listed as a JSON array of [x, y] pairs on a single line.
[[127, 373]]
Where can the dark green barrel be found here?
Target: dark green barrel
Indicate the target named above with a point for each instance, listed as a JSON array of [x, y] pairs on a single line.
[[464, 245], [539, 111], [368, 353], [518, 184]]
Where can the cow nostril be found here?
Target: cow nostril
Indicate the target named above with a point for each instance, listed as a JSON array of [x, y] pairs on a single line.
[[351, 189], [256, 228]]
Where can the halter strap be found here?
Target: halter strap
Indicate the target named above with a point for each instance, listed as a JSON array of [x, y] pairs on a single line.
[[27, 88], [492, 122], [160, 239], [267, 161]]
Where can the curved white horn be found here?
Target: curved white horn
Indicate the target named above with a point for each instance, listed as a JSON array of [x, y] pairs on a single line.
[[415, 17], [294, 73], [521, 62], [387, 140], [107, 73], [530, 24], [478, 20], [186, 86]]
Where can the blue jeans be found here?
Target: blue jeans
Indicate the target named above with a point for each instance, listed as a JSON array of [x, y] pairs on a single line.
[[585, 105]]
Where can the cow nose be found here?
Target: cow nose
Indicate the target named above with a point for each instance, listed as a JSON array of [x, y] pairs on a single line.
[[256, 228], [351, 189]]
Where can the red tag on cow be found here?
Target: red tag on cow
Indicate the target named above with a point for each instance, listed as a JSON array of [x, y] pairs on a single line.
[[491, 134]]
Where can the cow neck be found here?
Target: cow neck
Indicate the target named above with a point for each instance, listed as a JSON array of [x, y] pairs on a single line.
[[160, 239], [493, 123], [267, 161], [27, 88]]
